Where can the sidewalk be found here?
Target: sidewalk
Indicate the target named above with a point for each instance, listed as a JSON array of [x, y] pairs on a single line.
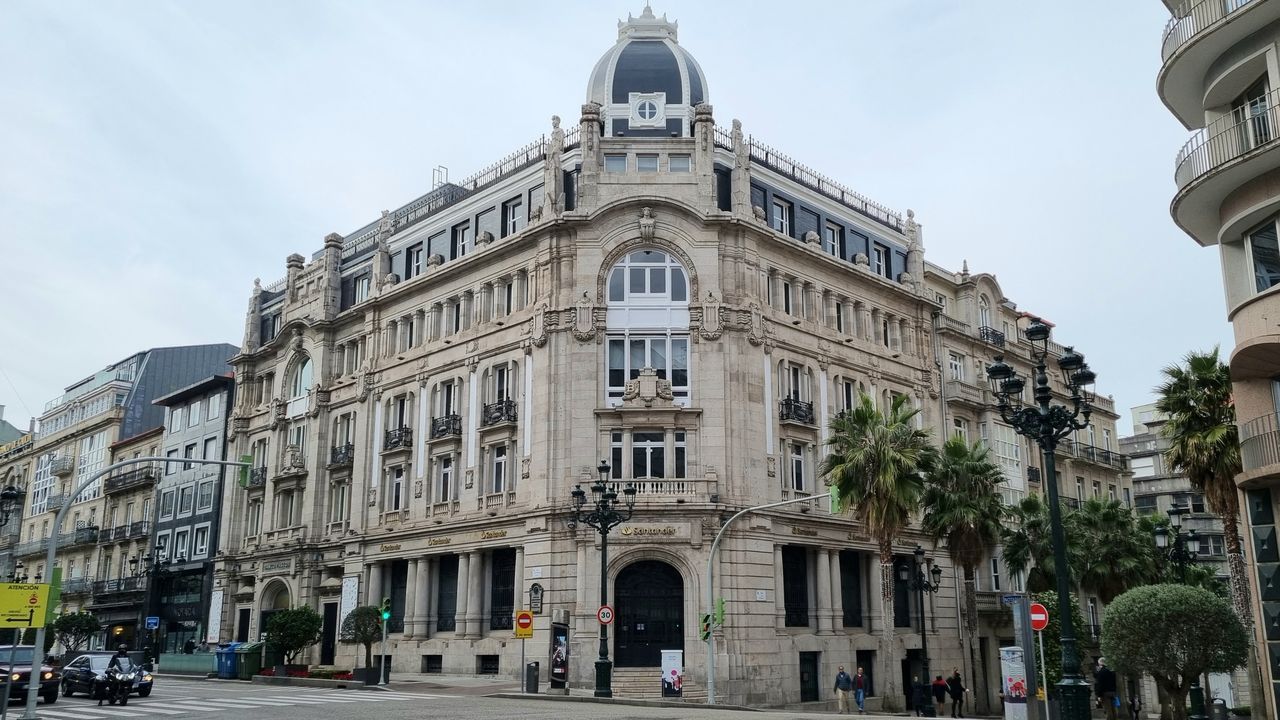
[[462, 684]]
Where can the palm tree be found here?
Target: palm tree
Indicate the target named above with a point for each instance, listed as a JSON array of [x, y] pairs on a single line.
[[1028, 543], [875, 465], [1113, 554], [1205, 447], [962, 504]]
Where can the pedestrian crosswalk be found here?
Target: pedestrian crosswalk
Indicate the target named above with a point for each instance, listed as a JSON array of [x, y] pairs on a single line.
[[161, 706]]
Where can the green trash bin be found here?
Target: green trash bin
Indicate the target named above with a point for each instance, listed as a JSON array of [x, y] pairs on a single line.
[[248, 660]]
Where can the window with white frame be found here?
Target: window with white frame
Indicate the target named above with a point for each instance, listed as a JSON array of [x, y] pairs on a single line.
[[955, 362], [180, 548], [444, 478], [513, 216], [1007, 450], [880, 260], [210, 450], [995, 573], [162, 545], [213, 406], [344, 429], [960, 428], [447, 398], [188, 452], [395, 490], [832, 238], [175, 419], [200, 542], [168, 499], [797, 382], [204, 496], [798, 470], [984, 311], [615, 455], [646, 162], [682, 454], [1263, 250], [648, 454], [1080, 489], [667, 355], [501, 388], [840, 317], [648, 323], [186, 500], [338, 501], [193, 414], [42, 485], [781, 219], [285, 509], [498, 469], [848, 394], [253, 518], [362, 286], [460, 240]]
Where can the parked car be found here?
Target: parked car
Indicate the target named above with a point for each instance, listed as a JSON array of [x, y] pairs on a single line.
[[87, 672], [21, 673]]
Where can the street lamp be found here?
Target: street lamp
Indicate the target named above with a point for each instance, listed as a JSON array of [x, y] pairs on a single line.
[[1182, 551], [915, 578], [1047, 424], [603, 514], [10, 500], [19, 574], [155, 567]]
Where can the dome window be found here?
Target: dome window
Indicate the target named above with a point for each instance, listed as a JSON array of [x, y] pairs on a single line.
[[648, 110]]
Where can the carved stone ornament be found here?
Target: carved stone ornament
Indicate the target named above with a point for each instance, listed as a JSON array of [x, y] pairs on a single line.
[[758, 212], [373, 497], [277, 413], [484, 238], [386, 225], [389, 280], [712, 327], [648, 225], [538, 331], [524, 469], [647, 390], [905, 279], [771, 466], [861, 259], [417, 489], [297, 339], [755, 330], [535, 215], [824, 354], [471, 479], [366, 386], [584, 323], [435, 260], [812, 238]]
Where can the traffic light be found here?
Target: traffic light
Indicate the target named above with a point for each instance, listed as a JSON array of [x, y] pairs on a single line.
[[719, 611], [385, 609], [706, 626]]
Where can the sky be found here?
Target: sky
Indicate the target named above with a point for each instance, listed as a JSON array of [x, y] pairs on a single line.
[[156, 157]]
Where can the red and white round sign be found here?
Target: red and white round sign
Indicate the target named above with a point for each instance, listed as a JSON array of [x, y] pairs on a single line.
[[1039, 617], [524, 619], [605, 615]]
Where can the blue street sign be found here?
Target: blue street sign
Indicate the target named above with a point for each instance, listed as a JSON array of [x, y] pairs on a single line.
[[1011, 599], [153, 623]]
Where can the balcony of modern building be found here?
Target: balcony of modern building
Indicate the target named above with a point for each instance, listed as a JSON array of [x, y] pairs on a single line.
[[1199, 33], [1256, 357], [139, 476], [1259, 450], [1225, 171]]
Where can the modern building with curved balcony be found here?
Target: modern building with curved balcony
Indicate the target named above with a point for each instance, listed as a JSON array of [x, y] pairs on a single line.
[[1220, 78], [421, 396]]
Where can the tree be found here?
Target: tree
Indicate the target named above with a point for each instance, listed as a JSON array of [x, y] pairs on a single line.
[[73, 630], [292, 631], [1204, 445], [1028, 543], [962, 505], [875, 465], [363, 625], [1112, 554], [1174, 633], [1053, 634]]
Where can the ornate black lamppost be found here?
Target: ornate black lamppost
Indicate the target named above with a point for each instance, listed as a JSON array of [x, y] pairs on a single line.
[[604, 514], [1182, 551], [917, 580], [1047, 424]]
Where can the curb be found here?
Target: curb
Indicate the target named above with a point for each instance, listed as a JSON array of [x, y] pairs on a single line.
[[669, 704]]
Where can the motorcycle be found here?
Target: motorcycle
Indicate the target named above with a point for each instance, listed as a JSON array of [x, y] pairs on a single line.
[[117, 685]]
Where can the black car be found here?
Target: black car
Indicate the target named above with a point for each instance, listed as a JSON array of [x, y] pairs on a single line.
[[20, 672], [89, 669]]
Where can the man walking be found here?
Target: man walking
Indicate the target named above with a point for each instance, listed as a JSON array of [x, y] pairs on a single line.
[[957, 690], [860, 690], [844, 684], [1104, 683]]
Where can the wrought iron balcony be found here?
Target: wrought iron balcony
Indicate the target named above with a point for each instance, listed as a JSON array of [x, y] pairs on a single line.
[[1259, 443], [76, 586], [62, 466], [399, 438], [342, 455], [137, 477], [1093, 454], [795, 410], [30, 548], [119, 585], [503, 411], [991, 335], [79, 536], [257, 477], [501, 618], [138, 529], [1033, 474], [55, 502], [446, 425]]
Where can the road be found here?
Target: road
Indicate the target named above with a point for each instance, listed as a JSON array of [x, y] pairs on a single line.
[[179, 699]]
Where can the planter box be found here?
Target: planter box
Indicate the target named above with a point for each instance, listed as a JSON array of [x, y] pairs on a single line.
[[308, 682]]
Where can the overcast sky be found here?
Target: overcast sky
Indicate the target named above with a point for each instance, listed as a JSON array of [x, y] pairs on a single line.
[[157, 156]]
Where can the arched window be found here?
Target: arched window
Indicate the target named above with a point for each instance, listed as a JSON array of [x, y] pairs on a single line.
[[648, 322], [299, 384], [984, 311]]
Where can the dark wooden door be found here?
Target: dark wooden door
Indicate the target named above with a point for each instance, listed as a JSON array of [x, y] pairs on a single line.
[[650, 613]]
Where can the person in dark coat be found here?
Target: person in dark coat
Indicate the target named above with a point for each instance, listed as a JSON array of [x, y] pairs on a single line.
[[956, 688], [1104, 684], [940, 694], [919, 696]]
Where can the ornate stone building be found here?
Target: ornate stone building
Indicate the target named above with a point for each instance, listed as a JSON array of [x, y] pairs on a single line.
[[675, 298]]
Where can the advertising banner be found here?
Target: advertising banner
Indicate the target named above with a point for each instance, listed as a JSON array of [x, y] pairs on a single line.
[[672, 673], [559, 655], [1013, 681]]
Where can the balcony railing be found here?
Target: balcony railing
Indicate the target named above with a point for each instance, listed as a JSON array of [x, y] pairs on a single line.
[[967, 391], [446, 425], [666, 487], [1259, 443], [257, 477], [139, 476], [76, 586], [1229, 137], [991, 335], [79, 536], [1193, 20], [125, 584], [401, 437], [55, 502], [138, 529], [1093, 454], [61, 466], [794, 410], [1033, 474], [503, 411], [30, 548], [500, 619], [949, 323], [342, 455]]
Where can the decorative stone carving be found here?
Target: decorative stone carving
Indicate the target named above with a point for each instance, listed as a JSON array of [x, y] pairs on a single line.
[[373, 497], [470, 479], [538, 326], [755, 328], [524, 469], [647, 389], [535, 216], [552, 172], [389, 280], [366, 385], [824, 354], [739, 177], [386, 225], [584, 323], [648, 225], [906, 279], [484, 238], [771, 466], [277, 413], [711, 328], [861, 260], [812, 238], [435, 260], [758, 212], [417, 489]]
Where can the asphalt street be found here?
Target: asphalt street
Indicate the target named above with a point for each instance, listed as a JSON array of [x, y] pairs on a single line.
[[182, 698]]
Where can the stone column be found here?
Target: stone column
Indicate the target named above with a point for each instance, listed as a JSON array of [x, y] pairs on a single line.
[[422, 597], [433, 607], [870, 566], [864, 322], [464, 595], [373, 596], [779, 601], [824, 591], [519, 599], [411, 601], [829, 309], [581, 596], [908, 338], [895, 333], [468, 303], [775, 289], [475, 589], [877, 327], [837, 596]]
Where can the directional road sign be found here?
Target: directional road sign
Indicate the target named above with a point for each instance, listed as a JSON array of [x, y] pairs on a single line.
[[1039, 617], [605, 615], [22, 603], [524, 624]]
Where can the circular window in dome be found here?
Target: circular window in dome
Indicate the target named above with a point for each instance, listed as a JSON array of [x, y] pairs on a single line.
[[647, 110]]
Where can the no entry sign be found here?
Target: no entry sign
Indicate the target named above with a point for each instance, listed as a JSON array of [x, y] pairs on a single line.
[[1039, 617], [524, 624]]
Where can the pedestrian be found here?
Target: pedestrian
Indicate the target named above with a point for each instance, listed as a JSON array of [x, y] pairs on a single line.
[[1104, 684], [844, 684], [860, 690], [919, 696], [957, 690], [940, 694], [1135, 706]]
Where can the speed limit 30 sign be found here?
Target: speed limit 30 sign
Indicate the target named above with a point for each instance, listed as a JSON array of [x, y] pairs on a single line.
[[605, 615]]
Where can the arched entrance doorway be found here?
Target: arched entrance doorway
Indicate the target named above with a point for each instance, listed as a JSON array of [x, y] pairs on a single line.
[[274, 598], [650, 608]]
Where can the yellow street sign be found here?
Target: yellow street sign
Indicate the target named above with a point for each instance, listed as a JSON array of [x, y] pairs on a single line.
[[524, 624], [23, 605]]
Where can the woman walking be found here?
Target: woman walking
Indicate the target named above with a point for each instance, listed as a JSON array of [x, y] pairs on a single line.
[[957, 690]]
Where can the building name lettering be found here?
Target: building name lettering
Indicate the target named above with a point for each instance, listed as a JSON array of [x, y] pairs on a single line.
[[650, 531], [389, 547], [493, 534], [277, 565], [439, 541], [807, 532]]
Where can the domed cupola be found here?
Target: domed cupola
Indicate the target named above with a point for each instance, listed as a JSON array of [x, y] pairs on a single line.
[[646, 84]]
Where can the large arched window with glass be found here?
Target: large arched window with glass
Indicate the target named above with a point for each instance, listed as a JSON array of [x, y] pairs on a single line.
[[984, 312], [648, 322], [299, 384]]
